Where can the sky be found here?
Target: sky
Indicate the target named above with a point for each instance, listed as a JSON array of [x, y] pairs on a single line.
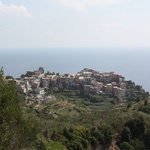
[[74, 23]]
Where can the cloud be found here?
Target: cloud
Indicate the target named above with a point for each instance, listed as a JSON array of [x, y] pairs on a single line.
[[111, 25], [81, 6], [13, 10]]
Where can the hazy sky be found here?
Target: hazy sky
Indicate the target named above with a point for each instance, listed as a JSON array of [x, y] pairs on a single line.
[[74, 23]]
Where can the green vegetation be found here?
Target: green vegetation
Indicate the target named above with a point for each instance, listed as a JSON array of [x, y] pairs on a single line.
[[9, 77], [135, 92], [73, 121], [15, 130]]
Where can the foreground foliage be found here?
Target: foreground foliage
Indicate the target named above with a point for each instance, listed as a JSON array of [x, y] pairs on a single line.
[[15, 130]]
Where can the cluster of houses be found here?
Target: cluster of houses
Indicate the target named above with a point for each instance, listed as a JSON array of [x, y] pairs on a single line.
[[87, 80]]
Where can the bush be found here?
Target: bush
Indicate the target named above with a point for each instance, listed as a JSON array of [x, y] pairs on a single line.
[[126, 146], [55, 146]]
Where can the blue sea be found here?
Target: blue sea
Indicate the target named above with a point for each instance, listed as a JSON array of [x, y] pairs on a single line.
[[133, 63]]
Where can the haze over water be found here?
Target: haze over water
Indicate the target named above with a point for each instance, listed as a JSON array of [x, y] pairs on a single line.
[[133, 64]]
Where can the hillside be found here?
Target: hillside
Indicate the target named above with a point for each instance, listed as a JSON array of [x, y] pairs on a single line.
[[68, 119], [100, 125]]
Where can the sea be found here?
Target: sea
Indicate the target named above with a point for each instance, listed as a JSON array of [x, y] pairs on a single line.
[[133, 63]]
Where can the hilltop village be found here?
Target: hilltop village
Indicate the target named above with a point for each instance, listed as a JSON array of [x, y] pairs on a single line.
[[87, 81]]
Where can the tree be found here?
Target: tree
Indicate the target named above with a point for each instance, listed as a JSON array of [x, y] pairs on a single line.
[[138, 87], [129, 105], [22, 76], [41, 69], [126, 134], [126, 146], [9, 115], [137, 127], [55, 146], [145, 102], [1, 71], [48, 73], [9, 77], [15, 131]]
